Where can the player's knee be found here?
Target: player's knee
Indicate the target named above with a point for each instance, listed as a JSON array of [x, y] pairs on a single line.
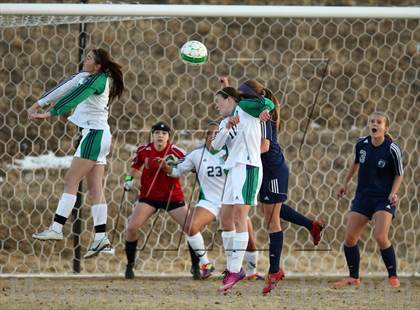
[[131, 230], [351, 240], [382, 240]]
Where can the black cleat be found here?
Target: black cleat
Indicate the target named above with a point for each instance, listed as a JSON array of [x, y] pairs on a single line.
[[129, 272], [195, 271]]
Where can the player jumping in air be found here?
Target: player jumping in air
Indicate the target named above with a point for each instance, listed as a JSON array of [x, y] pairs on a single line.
[[89, 92], [378, 161]]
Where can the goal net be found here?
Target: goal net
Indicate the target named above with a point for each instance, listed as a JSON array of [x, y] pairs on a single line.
[[369, 64]]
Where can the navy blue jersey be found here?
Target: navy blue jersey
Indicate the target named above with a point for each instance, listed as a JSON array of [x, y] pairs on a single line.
[[378, 166], [274, 156]]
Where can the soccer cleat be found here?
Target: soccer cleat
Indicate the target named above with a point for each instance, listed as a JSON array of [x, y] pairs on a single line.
[[271, 281], [230, 279], [48, 234], [316, 231], [195, 271], [348, 281], [206, 270], [394, 281], [97, 246], [129, 272], [254, 277]]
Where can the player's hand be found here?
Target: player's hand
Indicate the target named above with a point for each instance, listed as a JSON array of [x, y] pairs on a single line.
[[128, 183], [233, 120], [265, 116], [33, 110], [164, 165], [224, 80], [393, 199], [341, 191]]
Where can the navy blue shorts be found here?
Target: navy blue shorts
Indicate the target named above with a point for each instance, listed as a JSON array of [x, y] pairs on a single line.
[[369, 205], [275, 184], [164, 205]]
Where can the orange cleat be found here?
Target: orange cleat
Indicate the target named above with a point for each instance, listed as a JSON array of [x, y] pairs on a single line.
[[271, 281], [316, 231], [348, 281], [394, 281]]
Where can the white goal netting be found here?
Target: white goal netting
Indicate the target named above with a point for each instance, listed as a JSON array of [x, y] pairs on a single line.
[[373, 64]]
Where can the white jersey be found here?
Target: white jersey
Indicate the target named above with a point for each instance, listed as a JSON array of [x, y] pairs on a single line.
[[209, 168], [90, 95], [243, 141]]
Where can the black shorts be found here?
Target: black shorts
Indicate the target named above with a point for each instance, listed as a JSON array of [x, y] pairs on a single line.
[[370, 205], [275, 184], [164, 205]]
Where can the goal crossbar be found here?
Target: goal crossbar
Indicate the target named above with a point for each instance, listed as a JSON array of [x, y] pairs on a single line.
[[52, 9]]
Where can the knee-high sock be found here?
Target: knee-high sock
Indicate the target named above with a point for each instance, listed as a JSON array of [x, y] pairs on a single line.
[[65, 205], [388, 255], [99, 214], [130, 251], [227, 237], [292, 216], [195, 261], [240, 242], [275, 248], [251, 259], [353, 260], [197, 243]]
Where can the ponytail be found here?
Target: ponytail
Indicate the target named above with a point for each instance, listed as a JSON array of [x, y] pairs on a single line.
[[112, 69]]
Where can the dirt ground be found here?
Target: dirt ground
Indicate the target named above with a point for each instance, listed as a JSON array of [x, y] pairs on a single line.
[[184, 293]]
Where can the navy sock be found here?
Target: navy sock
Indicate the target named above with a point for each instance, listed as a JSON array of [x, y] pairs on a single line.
[[291, 215], [130, 251], [276, 245], [353, 260], [388, 255], [195, 260]]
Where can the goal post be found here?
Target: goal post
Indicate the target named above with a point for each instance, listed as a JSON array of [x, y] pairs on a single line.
[[329, 66]]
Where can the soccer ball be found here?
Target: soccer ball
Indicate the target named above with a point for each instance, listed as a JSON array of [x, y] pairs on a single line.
[[194, 52]]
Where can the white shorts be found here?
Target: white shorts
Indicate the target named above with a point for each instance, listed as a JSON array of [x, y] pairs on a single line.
[[242, 185], [209, 206], [95, 145]]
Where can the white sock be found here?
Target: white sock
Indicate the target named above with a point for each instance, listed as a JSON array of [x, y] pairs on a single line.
[[197, 243], [227, 237], [240, 242], [65, 205], [251, 259], [99, 214]]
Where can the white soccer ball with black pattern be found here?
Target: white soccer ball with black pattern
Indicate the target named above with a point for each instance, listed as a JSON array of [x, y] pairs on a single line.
[[194, 52]]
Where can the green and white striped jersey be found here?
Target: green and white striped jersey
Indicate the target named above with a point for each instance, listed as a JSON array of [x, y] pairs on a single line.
[[88, 93], [209, 168]]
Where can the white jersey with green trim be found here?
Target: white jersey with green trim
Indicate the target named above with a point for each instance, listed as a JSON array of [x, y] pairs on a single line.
[[209, 168], [92, 112], [243, 140]]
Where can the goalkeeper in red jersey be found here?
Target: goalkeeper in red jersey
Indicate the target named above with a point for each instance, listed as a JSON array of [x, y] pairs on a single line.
[[157, 191]]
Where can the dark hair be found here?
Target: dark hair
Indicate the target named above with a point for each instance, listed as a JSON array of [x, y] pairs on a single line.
[[111, 68], [229, 92], [254, 89], [161, 126]]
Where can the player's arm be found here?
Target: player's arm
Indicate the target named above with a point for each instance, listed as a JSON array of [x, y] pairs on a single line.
[[136, 165], [266, 132], [222, 134], [399, 171], [256, 108], [343, 188], [57, 92]]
